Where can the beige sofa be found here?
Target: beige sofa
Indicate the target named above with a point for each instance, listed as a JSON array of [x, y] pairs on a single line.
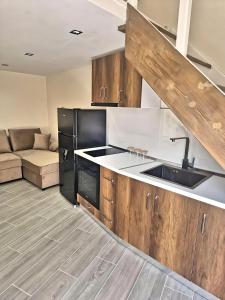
[[41, 167]]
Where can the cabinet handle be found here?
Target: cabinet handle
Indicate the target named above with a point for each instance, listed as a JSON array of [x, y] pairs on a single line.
[[109, 200], [106, 92], [156, 198], [148, 196], [100, 96], [104, 218], [204, 219], [109, 179]]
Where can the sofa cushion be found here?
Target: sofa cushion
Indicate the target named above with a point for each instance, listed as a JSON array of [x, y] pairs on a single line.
[[22, 139], [4, 142], [39, 161], [41, 141], [9, 160]]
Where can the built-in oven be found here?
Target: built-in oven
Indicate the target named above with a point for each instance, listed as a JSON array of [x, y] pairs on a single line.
[[88, 180]]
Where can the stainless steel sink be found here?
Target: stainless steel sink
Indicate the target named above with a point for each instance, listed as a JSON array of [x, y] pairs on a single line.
[[187, 178]]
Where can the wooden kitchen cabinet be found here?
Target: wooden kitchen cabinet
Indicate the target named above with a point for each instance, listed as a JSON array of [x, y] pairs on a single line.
[[107, 197], [115, 82], [184, 234], [209, 258], [173, 234], [83, 202], [140, 214], [108, 78]]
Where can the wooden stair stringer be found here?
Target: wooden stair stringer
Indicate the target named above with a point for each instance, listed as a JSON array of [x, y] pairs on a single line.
[[193, 98]]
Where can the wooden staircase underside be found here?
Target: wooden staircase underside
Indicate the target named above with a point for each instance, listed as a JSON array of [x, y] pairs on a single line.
[[198, 103]]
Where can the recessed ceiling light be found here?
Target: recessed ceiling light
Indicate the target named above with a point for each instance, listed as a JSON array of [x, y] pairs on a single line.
[[5, 65], [29, 54], [76, 32]]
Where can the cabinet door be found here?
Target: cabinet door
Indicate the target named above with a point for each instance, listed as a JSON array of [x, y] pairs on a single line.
[[107, 197], [173, 235], [133, 87], [114, 74], [209, 259], [140, 215], [122, 202], [98, 79]]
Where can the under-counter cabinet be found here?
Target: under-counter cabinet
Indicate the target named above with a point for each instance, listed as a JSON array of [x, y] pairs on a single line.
[[107, 197], [209, 259], [115, 82], [184, 234], [173, 231]]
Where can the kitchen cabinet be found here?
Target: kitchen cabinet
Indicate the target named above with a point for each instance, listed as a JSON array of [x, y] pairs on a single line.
[[108, 78], [107, 197], [122, 207], [90, 208], [140, 214], [173, 234], [184, 234], [115, 82], [209, 259]]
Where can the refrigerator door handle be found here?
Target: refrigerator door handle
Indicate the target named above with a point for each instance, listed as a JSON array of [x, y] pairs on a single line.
[[65, 153]]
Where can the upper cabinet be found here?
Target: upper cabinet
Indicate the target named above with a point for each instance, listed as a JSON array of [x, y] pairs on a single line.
[[115, 82]]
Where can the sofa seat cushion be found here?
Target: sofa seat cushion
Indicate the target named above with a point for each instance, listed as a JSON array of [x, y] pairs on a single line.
[[9, 160], [40, 162]]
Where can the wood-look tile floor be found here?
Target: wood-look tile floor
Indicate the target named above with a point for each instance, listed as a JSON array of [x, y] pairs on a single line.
[[50, 250]]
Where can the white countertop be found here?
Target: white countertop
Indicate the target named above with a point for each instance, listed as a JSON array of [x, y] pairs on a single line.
[[211, 191]]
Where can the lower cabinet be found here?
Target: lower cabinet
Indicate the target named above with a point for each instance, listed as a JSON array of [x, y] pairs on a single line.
[[209, 259], [140, 215], [83, 202], [174, 229], [185, 235]]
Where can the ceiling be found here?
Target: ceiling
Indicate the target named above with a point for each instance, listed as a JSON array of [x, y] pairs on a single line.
[[207, 32], [42, 27]]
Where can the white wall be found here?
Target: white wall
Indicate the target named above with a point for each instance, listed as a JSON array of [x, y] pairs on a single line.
[[69, 89], [151, 129], [23, 100]]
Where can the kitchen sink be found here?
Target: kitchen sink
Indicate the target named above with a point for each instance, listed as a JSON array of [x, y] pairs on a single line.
[[187, 178]]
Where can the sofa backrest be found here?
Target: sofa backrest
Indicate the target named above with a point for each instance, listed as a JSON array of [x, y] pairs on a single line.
[[22, 139]]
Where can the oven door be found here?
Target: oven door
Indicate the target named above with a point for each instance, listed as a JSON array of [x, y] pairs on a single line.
[[88, 180]]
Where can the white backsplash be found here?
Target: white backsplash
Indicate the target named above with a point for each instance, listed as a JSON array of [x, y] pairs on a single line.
[[151, 129]]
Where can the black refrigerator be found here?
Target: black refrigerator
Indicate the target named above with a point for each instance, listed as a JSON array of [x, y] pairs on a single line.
[[77, 129]]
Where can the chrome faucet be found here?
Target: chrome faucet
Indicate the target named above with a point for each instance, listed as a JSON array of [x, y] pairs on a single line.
[[185, 163]]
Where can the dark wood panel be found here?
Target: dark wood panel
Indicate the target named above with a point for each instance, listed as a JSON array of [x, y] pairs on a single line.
[[190, 95], [209, 258], [133, 87], [94, 211], [174, 232], [140, 215], [122, 207]]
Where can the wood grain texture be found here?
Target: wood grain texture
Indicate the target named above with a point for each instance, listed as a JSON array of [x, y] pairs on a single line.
[[173, 295], [190, 95], [55, 287], [87, 205], [209, 259], [85, 254], [153, 290], [108, 78], [122, 207], [173, 235], [133, 87], [37, 276], [91, 280], [122, 278], [13, 293], [140, 215], [107, 197]]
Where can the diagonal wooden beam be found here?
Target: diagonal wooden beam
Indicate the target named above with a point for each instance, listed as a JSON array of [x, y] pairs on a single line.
[[194, 99], [122, 28]]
